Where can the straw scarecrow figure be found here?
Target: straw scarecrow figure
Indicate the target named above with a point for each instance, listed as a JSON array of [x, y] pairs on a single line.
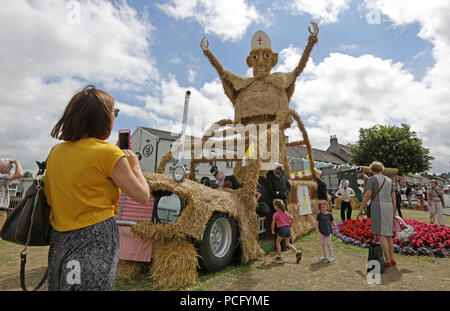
[[263, 99]]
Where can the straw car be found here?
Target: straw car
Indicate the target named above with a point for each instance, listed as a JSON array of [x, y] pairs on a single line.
[[212, 227]]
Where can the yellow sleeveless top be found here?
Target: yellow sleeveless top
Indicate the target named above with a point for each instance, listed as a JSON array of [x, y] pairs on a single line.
[[79, 185]]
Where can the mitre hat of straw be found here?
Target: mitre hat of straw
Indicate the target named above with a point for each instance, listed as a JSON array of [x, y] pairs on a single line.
[[260, 40]]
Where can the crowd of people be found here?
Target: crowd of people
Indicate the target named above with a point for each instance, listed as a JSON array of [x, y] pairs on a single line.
[[431, 198]]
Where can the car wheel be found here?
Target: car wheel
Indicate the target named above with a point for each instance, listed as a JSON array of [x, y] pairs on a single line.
[[219, 243]]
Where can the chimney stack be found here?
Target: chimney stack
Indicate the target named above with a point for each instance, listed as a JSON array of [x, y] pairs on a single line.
[[333, 140]]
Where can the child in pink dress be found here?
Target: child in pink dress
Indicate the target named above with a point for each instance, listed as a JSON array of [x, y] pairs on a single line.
[[283, 221]]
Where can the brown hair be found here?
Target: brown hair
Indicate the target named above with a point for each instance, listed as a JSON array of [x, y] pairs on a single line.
[[323, 202], [88, 114], [280, 204], [376, 167]]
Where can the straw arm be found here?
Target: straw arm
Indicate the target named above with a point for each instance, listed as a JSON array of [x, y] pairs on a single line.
[[306, 142], [215, 126], [227, 86], [295, 143], [215, 62], [312, 40]]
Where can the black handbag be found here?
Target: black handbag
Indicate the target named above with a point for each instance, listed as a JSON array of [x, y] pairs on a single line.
[[29, 223], [375, 253]]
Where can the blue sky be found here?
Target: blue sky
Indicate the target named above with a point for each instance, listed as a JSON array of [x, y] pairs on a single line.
[[352, 31], [147, 54], [179, 39]]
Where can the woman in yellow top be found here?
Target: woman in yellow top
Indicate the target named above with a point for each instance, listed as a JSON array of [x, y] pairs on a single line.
[[82, 181]]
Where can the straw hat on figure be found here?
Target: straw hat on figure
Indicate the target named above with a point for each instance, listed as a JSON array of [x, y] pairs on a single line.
[[265, 97]]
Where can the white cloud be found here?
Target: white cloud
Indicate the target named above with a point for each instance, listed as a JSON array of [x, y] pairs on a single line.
[[176, 60], [191, 75], [434, 20], [165, 111], [348, 93], [345, 93], [421, 54], [326, 11], [347, 47], [227, 19], [206, 106], [44, 60]]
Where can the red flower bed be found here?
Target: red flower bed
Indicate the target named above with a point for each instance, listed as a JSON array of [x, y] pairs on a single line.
[[427, 235], [359, 230], [427, 239]]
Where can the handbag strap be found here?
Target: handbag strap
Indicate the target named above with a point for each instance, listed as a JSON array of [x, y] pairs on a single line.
[[23, 254], [376, 193], [439, 195], [23, 261]]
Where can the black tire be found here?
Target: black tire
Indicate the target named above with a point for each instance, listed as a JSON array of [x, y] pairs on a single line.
[[215, 255]]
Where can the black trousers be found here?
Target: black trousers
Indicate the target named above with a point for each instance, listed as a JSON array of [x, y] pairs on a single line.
[[399, 210], [346, 206]]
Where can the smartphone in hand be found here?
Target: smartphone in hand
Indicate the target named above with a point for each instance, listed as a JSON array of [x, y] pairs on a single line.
[[124, 139]]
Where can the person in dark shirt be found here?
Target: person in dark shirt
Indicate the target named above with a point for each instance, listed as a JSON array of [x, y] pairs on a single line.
[[321, 186], [408, 193], [278, 187], [398, 199], [277, 183], [264, 202]]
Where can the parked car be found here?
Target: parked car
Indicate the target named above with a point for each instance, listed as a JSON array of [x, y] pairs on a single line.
[[220, 224]]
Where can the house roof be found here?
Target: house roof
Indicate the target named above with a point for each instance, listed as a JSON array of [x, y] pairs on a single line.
[[165, 134], [345, 148], [432, 177], [318, 155], [161, 134], [293, 152], [169, 135]]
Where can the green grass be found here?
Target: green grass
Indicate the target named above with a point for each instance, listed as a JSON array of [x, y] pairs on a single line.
[[346, 273], [266, 245]]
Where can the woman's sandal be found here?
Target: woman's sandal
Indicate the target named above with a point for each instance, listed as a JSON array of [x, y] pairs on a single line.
[[278, 258]]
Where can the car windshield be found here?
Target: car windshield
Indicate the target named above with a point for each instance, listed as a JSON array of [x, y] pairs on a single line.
[[168, 208]]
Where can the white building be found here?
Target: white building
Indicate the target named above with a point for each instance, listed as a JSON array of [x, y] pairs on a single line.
[[153, 144]]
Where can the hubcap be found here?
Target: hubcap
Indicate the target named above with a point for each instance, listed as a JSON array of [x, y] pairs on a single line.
[[220, 237]]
